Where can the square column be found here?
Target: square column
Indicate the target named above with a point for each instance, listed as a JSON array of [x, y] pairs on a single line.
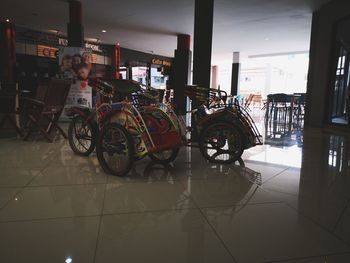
[[202, 45], [236, 68]]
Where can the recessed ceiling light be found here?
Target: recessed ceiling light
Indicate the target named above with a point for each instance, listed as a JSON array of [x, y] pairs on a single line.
[[55, 31], [7, 20], [92, 39], [104, 31]]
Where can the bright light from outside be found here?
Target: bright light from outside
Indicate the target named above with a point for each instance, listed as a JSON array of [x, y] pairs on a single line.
[[268, 75], [69, 260], [279, 74]]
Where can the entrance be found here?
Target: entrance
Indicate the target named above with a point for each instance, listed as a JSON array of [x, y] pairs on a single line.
[[158, 78], [140, 74]]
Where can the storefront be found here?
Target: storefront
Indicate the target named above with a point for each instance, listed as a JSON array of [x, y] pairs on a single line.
[[160, 72], [37, 61], [36, 58], [145, 68]]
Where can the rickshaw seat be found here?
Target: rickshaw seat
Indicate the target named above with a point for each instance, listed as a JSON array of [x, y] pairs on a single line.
[[125, 87]]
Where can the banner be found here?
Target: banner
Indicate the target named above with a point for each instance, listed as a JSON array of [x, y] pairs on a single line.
[[75, 63]]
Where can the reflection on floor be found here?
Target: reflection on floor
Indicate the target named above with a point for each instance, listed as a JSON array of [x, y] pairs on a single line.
[[283, 204], [341, 120]]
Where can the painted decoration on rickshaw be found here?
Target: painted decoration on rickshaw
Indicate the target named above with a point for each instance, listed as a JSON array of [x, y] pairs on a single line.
[[125, 118], [161, 128]]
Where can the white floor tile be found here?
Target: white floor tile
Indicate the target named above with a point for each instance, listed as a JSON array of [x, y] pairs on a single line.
[[6, 194], [172, 237], [146, 196], [51, 241], [232, 190], [54, 202], [342, 258], [343, 227], [70, 175], [267, 171], [270, 232], [17, 177]]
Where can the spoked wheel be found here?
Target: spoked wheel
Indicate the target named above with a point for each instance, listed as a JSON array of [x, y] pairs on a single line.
[[81, 137], [165, 157], [221, 142], [115, 150]]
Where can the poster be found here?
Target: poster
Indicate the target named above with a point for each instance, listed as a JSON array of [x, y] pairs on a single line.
[[75, 63]]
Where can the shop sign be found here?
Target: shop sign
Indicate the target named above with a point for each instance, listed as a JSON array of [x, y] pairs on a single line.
[[64, 42], [45, 51], [157, 61], [93, 47]]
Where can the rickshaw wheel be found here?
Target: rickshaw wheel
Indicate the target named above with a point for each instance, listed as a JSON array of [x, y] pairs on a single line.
[[115, 149], [221, 142], [81, 136], [164, 157]]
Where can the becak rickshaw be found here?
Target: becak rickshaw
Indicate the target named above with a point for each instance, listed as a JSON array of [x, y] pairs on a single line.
[[136, 127], [222, 130]]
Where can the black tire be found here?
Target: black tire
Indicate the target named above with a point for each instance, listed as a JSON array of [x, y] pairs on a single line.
[[81, 136], [221, 142], [164, 157], [115, 141]]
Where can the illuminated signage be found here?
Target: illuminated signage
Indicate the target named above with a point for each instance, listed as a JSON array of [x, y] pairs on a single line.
[[157, 61], [45, 51], [62, 42], [94, 47], [94, 58]]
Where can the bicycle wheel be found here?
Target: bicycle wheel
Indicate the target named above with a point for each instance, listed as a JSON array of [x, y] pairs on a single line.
[[81, 136], [114, 149], [165, 157], [221, 142]]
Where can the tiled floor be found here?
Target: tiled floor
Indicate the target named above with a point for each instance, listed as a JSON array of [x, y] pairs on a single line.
[[287, 204]]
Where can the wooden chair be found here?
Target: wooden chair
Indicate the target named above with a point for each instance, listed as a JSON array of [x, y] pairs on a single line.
[[43, 114], [8, 108]]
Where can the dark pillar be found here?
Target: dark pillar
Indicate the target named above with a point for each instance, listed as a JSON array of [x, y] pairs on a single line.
[[235, 78], [75, 26], [202, 45], [235, 74], [149, 74], [181, 73], [312, 65], [7, 52]]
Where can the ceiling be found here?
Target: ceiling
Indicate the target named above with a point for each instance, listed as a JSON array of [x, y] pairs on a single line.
[[252, 27]]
